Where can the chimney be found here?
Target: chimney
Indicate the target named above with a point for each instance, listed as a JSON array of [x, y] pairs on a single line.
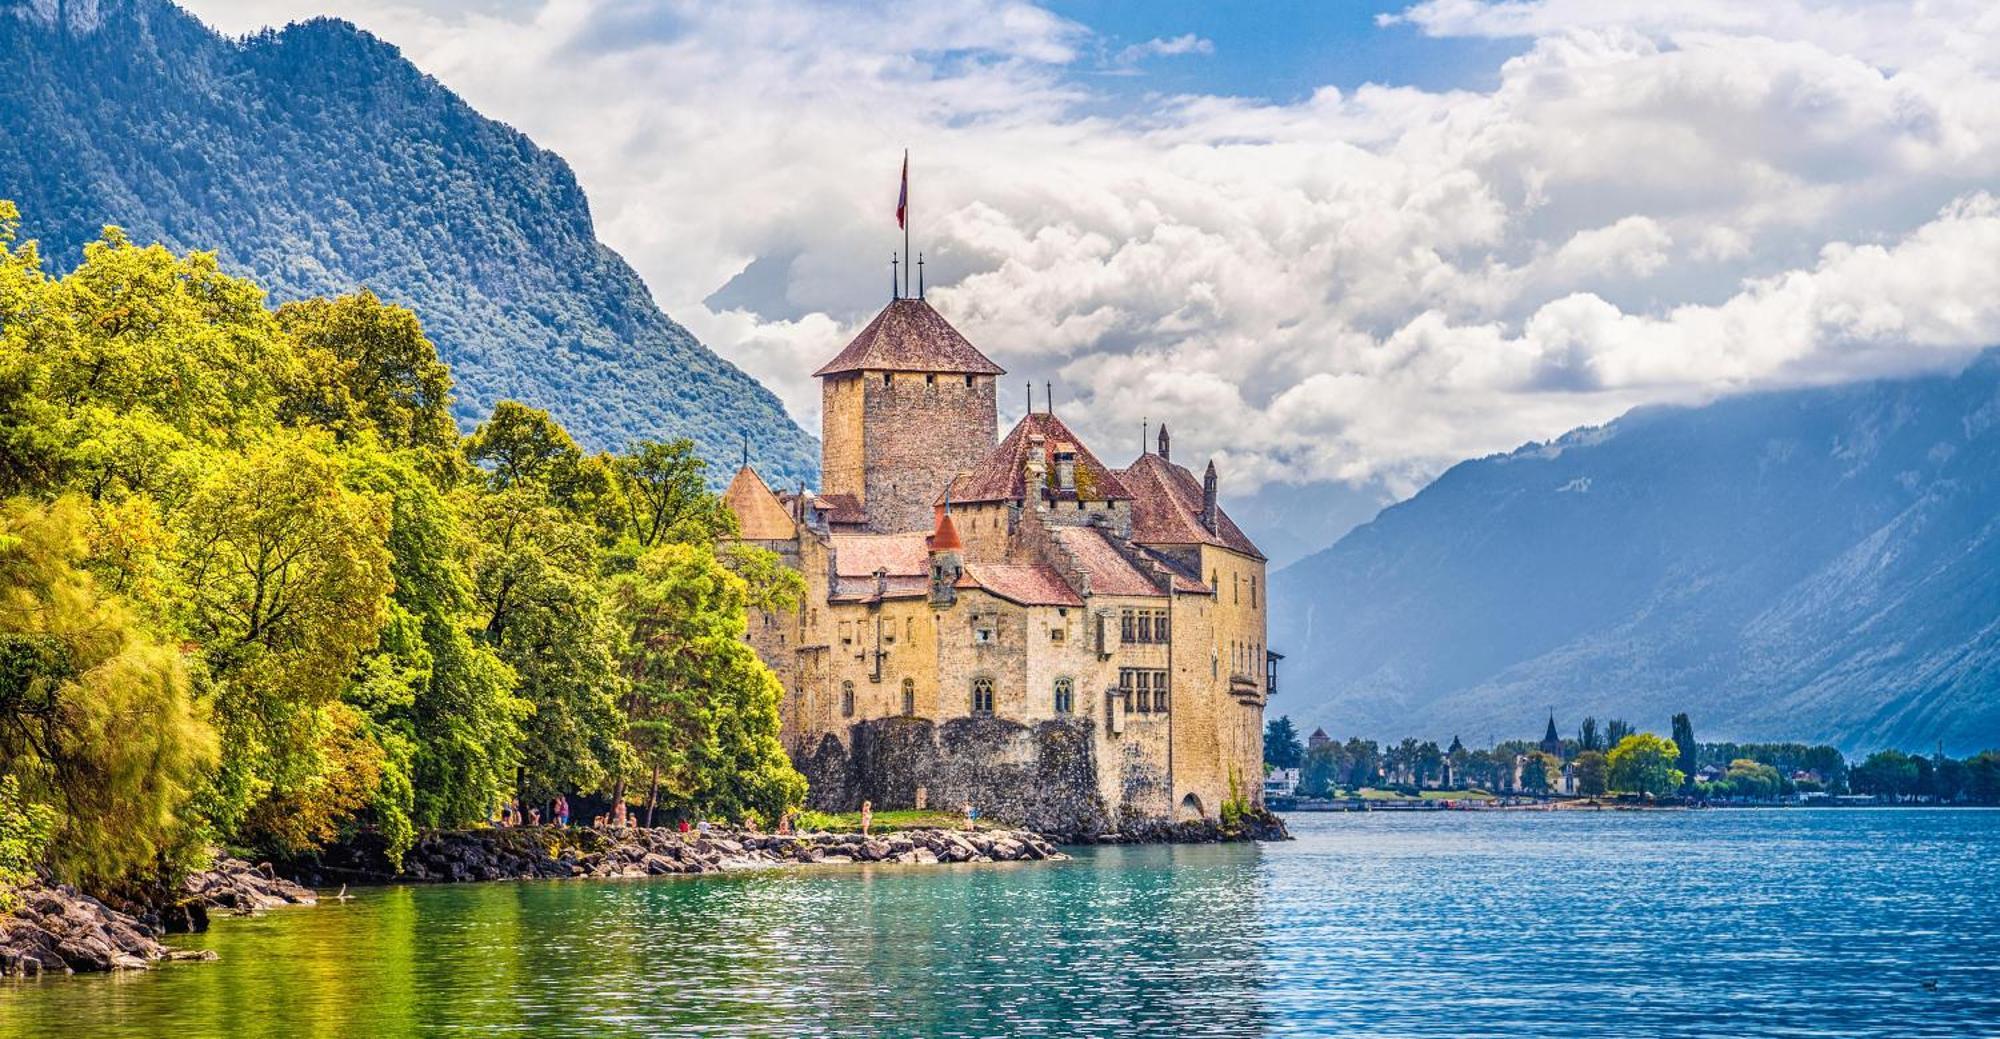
[[881, 582], [1065, 467], [1164, 457], [1208, 497], [1036, 471]]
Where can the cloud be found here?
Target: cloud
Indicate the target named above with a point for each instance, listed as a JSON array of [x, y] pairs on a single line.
[[1651, 202], [1162, 47]]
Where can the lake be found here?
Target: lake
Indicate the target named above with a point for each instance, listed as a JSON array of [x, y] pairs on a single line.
[[1721, 923]]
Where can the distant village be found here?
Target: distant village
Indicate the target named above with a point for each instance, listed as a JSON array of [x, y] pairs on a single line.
[[1611, 764]]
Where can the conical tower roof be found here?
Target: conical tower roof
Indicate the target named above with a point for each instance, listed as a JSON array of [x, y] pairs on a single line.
[[909, 336]]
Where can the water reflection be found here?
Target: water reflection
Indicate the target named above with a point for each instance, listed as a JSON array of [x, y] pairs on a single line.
[[1453, 924], [1138, 942]]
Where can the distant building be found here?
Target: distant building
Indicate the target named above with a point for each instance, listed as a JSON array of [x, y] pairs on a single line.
[[1318, 739], [1005, 621], [1552, 744], [1282, 782]]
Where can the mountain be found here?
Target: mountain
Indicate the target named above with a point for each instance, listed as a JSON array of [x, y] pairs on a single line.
[[1818, 564], [316, 159]]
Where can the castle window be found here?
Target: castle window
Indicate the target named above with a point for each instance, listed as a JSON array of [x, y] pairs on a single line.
[[1253, 591], [909, 697], [968, 382], [1125, 683], [982, 696], [885, 378], [930, 380], [1057, 634], [1065, 696], [1127, 626], [1160, 625], [1145, 625], [847, 699], [1160, 693], [1142, 686]]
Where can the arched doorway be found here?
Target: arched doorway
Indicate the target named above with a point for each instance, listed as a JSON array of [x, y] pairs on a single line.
[[1191, 808]]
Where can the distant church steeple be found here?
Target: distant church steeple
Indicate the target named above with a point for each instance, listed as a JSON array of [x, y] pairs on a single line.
[[1164, 442]]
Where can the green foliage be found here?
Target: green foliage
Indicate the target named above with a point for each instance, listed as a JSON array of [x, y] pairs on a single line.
[[703, 708], [1282, 748], [98, 722], [255, 589], [1690, 751], [1539, 772], [1643, 763], [1593, 773], [1235, 807], [25, 829]]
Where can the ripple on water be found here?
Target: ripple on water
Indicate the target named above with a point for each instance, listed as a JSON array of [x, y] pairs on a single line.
[[1796, 923]]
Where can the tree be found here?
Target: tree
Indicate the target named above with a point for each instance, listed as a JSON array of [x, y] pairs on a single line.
[[1889, 774], [1751, 779], [664, 497], [99, 726], [1690, 755], [448, 697], [703, 709], [1282, 748], [520, 446], [1587, 739], [1615, 732], [1643, 763], [1539, 771], [1321, 770], [284, 580], [366, 366], [1592, 773]]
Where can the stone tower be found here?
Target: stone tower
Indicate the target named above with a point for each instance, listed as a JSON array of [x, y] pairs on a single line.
[[905, 407]]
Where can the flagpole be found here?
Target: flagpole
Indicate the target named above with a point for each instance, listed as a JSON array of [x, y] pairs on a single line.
[[906, 219]]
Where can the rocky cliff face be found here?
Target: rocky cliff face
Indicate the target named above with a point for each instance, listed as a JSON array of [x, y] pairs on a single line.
[[316, 159], [1815, 565]]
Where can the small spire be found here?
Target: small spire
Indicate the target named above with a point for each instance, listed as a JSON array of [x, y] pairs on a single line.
[[746, 451], [1031, 398], [1049, 397], [1165, 444], [1144, 425], [920, 275], [895, 287]]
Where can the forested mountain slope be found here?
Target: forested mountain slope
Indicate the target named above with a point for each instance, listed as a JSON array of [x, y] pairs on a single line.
[[1820, 564], [316, 158]]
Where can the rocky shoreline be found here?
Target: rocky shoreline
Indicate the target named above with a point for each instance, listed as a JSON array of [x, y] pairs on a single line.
[[59, 930], [542, 853]]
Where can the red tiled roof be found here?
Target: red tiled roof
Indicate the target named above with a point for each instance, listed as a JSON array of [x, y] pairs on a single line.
[[1030, 584], [909, 336], [860, 555], [1110, 572], [840, 508], [1000, 475], [1166, 509], [945, 539], [760, 516]]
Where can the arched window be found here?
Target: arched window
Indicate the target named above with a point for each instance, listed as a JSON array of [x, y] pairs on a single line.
[[1065, 696], [847, 699], [982, 696], [909, 697]]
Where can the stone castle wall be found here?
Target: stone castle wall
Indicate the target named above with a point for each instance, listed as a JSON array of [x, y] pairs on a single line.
[[1041, 776]]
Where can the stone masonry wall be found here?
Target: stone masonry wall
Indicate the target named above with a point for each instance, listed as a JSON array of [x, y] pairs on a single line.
[[918, 431], [1041, 776]]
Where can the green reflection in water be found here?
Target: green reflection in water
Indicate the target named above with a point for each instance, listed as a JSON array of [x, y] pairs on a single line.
[[1132, 941]]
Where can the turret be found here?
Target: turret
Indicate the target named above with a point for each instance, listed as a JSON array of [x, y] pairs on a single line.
[[946, 566], [1035, 471], [1164, 456], [1208, 482]]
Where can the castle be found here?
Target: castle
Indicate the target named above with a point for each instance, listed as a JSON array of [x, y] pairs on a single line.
[[1006, 622]]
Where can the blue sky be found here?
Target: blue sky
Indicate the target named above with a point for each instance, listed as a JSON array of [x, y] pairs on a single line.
[[1283, 51]]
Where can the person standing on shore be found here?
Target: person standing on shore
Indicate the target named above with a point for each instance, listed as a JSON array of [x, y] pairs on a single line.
[[618, 815], [562, 811], [971, 816], [867, 816]]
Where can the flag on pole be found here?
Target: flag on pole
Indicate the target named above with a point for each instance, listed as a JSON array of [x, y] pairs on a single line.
[[903, 196]]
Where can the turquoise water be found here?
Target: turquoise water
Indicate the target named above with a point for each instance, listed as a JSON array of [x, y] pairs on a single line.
[[1782, 923]]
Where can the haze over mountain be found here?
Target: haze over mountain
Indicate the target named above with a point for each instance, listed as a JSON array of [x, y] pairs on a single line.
[[316, 159], [1819, 564]]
